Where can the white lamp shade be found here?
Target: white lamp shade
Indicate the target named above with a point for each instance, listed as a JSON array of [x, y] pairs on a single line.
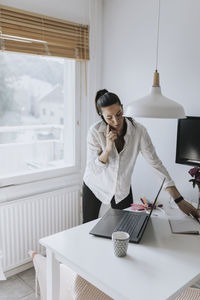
[[155, 105]]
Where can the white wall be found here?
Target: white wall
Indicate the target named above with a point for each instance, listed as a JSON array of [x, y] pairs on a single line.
[[71, 10], [129, 45]]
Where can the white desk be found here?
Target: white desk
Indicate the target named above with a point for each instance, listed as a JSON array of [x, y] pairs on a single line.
[[157, 268]]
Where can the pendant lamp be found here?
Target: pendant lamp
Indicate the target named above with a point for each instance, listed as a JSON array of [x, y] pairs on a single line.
[[155, 105]]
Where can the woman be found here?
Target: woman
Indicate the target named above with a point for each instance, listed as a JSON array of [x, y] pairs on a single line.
[[113, 145]]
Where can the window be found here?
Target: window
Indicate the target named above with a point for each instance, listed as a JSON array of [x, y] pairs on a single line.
[[38, 114], [37, 109]]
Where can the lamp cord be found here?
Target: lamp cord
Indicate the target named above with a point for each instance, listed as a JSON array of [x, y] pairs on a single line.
[[158, 30]]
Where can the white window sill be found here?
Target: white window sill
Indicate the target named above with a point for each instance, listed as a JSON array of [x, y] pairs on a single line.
[[35, 182], [37, 175]]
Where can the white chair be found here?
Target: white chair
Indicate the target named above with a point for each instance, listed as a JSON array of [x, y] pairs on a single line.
[[72, 286]]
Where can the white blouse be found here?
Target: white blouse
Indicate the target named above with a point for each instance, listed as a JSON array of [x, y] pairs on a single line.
[[114, 177]]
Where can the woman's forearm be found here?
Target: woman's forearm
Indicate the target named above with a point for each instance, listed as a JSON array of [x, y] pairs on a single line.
[[174, 193], [103, 157], [184, 206]]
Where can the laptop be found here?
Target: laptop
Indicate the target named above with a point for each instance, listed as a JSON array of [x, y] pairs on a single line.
[[134, 223]]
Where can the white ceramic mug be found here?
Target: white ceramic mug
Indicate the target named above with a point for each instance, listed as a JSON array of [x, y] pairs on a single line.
[[120, 243]]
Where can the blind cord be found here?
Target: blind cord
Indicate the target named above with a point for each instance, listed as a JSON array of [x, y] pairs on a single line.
[[2, 39]]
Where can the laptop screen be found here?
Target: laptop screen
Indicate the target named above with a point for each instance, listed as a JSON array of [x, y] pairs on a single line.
[[153, 205]]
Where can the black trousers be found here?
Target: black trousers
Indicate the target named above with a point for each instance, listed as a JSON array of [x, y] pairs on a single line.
[[91, 204]]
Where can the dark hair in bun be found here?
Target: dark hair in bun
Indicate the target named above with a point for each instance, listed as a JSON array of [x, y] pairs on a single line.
[[104, 98]]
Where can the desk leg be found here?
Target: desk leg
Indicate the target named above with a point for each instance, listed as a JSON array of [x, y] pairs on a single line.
[[53, 276]]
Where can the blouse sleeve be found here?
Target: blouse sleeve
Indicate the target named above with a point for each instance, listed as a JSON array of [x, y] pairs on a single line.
[[148, 151], [94, 149]]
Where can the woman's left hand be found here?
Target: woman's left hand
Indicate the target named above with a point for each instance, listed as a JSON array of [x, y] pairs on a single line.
[[188, 208]]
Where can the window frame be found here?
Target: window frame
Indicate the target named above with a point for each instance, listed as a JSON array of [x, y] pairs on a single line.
[[53, 172]]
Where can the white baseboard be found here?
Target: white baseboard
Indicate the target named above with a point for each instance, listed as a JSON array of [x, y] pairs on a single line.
[[18, 269], [2, 276]]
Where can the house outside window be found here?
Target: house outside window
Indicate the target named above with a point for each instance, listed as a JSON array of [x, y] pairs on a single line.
[[37, 96]]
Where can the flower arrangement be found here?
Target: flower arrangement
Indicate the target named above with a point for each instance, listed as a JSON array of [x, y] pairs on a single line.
[[195, 172]]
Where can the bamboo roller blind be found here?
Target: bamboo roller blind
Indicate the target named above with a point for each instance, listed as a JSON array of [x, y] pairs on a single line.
[[23, 31]]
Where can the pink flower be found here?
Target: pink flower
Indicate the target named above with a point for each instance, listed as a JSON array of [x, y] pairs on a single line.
[[194, 171]]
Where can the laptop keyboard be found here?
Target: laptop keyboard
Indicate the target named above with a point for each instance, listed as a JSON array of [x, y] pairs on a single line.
[[128, 223]]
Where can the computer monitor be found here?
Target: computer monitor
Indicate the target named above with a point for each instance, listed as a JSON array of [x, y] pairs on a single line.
[[188, 141]]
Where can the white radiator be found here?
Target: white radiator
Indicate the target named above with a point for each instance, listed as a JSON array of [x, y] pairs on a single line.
[[23, 222]]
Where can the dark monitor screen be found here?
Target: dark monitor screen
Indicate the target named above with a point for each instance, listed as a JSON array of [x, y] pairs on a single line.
[[188, 141]]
